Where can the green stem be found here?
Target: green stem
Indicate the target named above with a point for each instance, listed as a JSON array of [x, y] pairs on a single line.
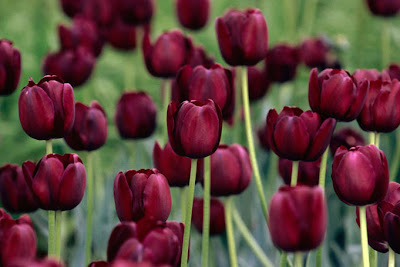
[[89, 211], [206, 212], [322, 170], [49, 147], [391, 260], [310, 8], [229, 232], [183, 202], [364, 237], [373, 257], [385, 43], [188, 216], [51, 250], [250, 141], [318, 257], [58, 219], [377, 140], [372, 138], [237, 113], [298, 259], [283, 259], [166, 97], [250, 239], [394, 166], [295, 170]]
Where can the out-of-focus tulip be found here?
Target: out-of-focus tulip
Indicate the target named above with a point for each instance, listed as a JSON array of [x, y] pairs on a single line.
[[121, 233], [136, 12], [347, 137], [142, 194], [47, 109], [314, 52], [391, 227], [298, 218], [90, 127], [102, 12], [217, 215], [168, 54], [334, 93], [360, 175], [16, 195], [308, 173], [361, 75], [122, 36], [281, 63], [384, 8], [194, 128], [58, 182], [242, 36], [263, 138], [48, 262], [298, 135], [99, 264], [136, 115], [72, 7], [193, 14], [199, 57], [10, 67], [258, 83], [394, 71]]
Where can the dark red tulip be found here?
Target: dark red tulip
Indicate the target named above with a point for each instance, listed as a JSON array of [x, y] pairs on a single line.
[[122, 36], [281, 63], [385, 8], [334, 93], [263, 137], [201, 139], [360, 175], [199, 57], [16, 195], [258, 83], [58, 182], [121, 233], [347, 137], [83, 32], [298, 218], [136, 115], [48, 262], [193, 14], [178, 229], [314, 52], [136, 12], [131, 250], [168, 54], [217, 216], [10, 67], [142, 194], [298, 135], [308, 173], [391, 227], [230, 170], [99, 264], [102, 12], [47, 109], [126, 263], [242, 36], [394, 71], [361, 75], [90, 127], [72, 7]]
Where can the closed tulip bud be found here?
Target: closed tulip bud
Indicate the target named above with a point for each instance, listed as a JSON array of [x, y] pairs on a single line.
[[47, 109], [346, 137], [72, 7], [391, 227], [199, 57], [308, 173], [142, 194], [10, 67], [16, 195], [281, 63], [384, 8], [394, 71], [334, 93], [258, 83], [131, 250], [298, 135], [242, 37], [136, 12], [360, 175], [217, 216], [298, 218], [193, 14], [58, 182], [178, 229], [102, 12], [201, 139], [121, 233], [90, 127], [314, 52], [121, 35], [136, 115]]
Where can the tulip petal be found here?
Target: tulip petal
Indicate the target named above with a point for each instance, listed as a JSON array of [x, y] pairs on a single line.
[[321, 140], [123, 198], [314, 92], [72, 186], [157, 198]]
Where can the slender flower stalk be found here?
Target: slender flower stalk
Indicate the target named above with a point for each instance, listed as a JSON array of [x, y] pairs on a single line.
[[295, 170], [391, 260], [385, 43], [188, 216], [364, 237], [166, 97], [373, 254], [283, 259], [250, 141], [89, 218], [183, 202], [206, 212], [51, 250], [58, 219], [394, 166], [229, 232], [298, 259]]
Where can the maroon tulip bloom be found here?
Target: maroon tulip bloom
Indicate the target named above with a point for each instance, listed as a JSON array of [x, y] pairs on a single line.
[[47, 109], [99, 264], [298, 135], [121, 35], [16, 195], [142, 194], [384, 8], [346, 137], [136, 12], [121, 233], [281, 63], [199, 57], [194, 128], [360, 175], [58, 182], [10, 67], [334, 93], [193, 14], [391, 227], [102, 12], [168, 54], [394, 71], [361, 75], [90, 127], [72, 7], [242, 36], [308, 173], [136, 115], [258, 83], [217, 216], [314, 52], [263, 137], [298, 218]]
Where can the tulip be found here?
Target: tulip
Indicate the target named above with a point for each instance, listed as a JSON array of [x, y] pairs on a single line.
[[242, 37], [391, 227], [16, 196], [308, 172], [58, 182], [10, 67], [361, 75], [131, 250], [102, 12], [263, 137], [136, 115], [193, 14], [394, 71], [298, 135], [122, 36], [168, 54], [217, 216], [90, 127], [298, 218], [346, 137], [136, 12], [194, 128], [334, 93], [142, 194], [121, 233], [384, 8], [99, 264], [258, 83], [281, 63], [314, 52], [126, 263], [47, 109], [360, 175], [72, 7], [199, 57]]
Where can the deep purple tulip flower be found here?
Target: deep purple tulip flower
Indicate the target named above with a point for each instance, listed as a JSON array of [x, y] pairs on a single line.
[[10, 67]]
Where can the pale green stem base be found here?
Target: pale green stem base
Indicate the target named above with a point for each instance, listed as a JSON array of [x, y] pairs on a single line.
[[298, 259], [89, 218], [283, 259], [322, 170], [58, 219], [295, 170], [391, 260], [364, 237], [206, 213], [373, 257], [394, 166], [229, 232]]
